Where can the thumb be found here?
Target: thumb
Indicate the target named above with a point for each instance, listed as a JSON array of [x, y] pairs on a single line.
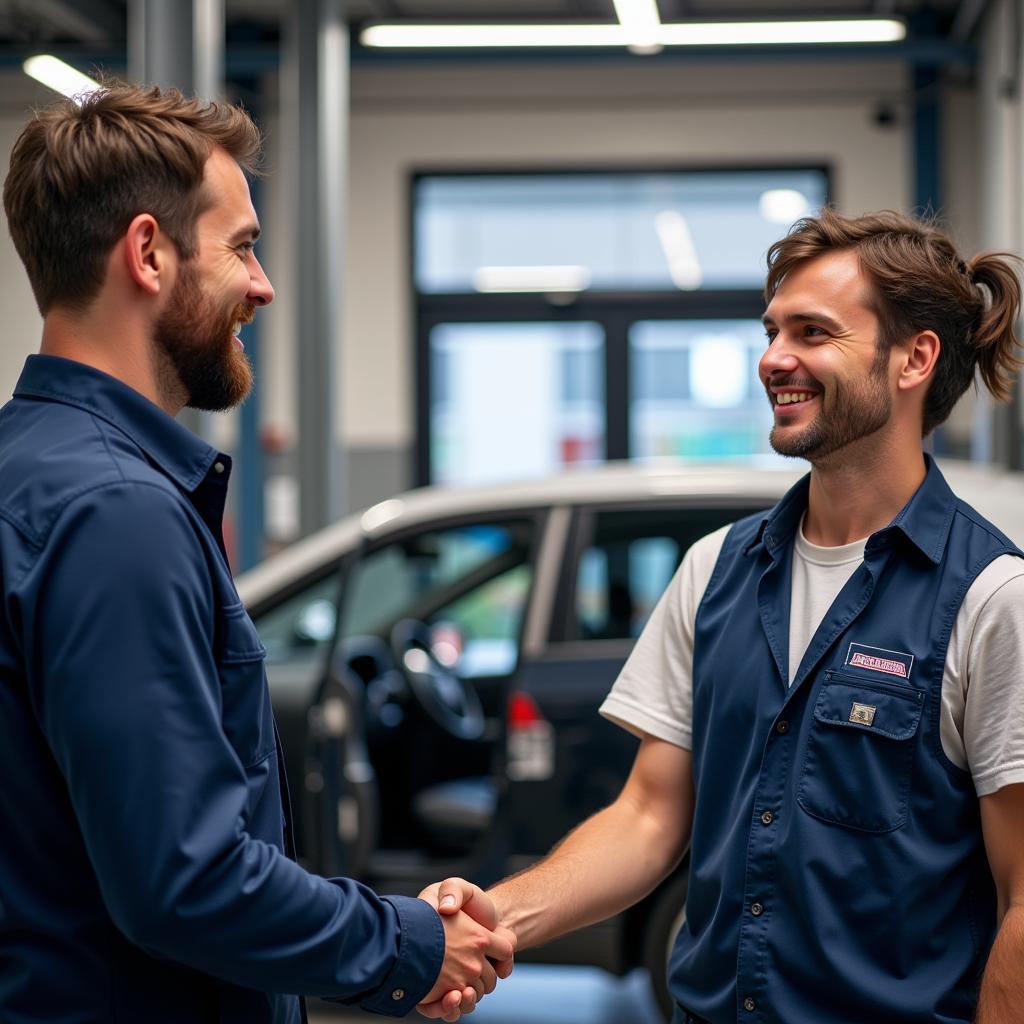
[[453, 894]]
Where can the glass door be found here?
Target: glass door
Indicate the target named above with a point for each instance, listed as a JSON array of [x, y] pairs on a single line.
[[515, 400]]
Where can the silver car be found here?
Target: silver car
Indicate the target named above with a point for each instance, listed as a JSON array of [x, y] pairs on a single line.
[[436, 664]]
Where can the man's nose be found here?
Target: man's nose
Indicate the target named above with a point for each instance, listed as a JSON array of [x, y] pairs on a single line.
[[261, 291], [777, 358]]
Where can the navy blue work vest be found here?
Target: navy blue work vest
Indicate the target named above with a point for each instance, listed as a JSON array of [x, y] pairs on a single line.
[[838, 870]]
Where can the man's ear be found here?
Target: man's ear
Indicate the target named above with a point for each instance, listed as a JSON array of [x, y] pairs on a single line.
[[918, 358], [148, 253]]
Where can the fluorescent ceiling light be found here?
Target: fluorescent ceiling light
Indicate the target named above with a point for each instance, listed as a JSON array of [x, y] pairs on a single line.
[[60, 77], [680, 252], [404, 35], [486, 36], [783, 205], [531, 279], [776, 33], [641, 22]]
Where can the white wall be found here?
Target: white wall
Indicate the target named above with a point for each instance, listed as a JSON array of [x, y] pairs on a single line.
[[999, 170]]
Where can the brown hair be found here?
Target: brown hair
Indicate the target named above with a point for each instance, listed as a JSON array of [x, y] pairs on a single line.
[[921, 283], [81, 170]]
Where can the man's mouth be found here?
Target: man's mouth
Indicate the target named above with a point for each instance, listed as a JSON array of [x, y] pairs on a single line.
[[793, 397]]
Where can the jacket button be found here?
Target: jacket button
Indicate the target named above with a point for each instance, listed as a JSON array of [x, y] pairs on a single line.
[[749, 1005], [218, 467], [757, 909], [398, 994], [767, 818], [782, 726]]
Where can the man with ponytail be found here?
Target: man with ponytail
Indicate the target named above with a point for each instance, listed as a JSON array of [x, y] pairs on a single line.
[[829, 695]]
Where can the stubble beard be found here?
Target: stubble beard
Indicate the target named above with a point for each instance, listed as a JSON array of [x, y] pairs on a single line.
[[199, 359], [850, 411]]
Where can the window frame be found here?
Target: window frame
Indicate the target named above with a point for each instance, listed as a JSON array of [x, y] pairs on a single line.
[[615, 311]]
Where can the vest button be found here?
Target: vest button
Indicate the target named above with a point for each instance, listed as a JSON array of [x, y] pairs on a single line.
[[782, 727], [749, 1005], [757, 909], [767, 818]]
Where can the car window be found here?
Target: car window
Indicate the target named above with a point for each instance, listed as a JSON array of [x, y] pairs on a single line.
[[301, 625], [469, 582], [627, 561], [480, 631]]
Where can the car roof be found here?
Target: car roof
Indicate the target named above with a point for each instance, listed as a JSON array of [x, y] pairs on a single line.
[[997, 494]]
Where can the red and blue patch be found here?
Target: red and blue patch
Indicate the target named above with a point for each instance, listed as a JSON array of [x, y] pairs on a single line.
[[880, 659]]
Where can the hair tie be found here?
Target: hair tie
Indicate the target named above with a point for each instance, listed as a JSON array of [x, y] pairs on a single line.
[[961, 266]]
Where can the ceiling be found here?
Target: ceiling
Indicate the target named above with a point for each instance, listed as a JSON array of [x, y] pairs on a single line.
[[102, 23]]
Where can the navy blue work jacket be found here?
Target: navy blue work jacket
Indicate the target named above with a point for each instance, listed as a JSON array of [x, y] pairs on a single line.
[[143, 873], [838, 870]]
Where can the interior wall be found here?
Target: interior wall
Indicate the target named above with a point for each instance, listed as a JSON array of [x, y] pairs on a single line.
[[999, 164]]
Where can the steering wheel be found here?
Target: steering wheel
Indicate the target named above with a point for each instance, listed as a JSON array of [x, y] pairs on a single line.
[[451, 702]]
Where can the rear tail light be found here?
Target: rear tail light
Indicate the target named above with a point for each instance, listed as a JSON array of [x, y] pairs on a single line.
[[531, 740]]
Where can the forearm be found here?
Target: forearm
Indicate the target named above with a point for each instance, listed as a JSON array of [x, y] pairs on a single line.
[[607, 864], [1002, 987]]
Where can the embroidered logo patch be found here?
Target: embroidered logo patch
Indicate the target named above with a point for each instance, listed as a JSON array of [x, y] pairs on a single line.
[[863, 714], [878, 659]]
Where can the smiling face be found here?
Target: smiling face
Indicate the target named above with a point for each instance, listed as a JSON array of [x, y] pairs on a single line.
[[196, 334], [827, 383]]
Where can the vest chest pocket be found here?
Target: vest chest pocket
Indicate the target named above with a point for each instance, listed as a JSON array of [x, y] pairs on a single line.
[[246, 714], [859, 754]]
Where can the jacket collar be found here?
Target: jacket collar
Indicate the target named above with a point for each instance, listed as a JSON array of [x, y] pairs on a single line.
[[925, 520], [185, 458]]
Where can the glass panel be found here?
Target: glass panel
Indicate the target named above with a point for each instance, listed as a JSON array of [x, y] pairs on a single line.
[[431, 573], [687, 229], [628, 564], [695, 391], [301, 625], [482, 627], [515, 400]]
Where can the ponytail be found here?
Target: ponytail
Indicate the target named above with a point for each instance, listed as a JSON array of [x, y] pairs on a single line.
[[995, 339]]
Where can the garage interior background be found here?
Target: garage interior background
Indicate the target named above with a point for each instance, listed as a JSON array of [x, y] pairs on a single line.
[[337, 422]]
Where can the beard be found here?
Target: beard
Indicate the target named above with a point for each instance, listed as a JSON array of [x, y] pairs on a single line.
[[198, 354], [852, 410]]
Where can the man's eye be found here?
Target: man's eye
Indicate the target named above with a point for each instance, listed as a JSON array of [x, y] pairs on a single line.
[[770, 334], [813, 331], [246, 249]]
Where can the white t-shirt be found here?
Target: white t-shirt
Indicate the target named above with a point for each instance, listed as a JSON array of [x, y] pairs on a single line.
[[982, 717]]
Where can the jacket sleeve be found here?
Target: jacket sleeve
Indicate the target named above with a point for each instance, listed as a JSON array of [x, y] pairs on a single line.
[[119, 619]]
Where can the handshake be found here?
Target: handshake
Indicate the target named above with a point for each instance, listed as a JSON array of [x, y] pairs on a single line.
[[478, 950]]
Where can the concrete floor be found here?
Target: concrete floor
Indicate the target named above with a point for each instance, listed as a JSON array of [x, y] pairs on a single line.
[[541, 994]]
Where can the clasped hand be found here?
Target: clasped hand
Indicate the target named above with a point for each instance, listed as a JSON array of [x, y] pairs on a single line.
[[477, 949]]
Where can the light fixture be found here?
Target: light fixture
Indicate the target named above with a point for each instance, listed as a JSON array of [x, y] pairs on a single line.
[[551, 279], [783, 205], [411, 36], [680, 252], [405, 35], [640, 20], [783, 33], [60, 77]]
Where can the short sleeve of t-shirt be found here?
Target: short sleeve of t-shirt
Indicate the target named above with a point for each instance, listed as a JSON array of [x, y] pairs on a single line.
[[983, 688], [653, 694]]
